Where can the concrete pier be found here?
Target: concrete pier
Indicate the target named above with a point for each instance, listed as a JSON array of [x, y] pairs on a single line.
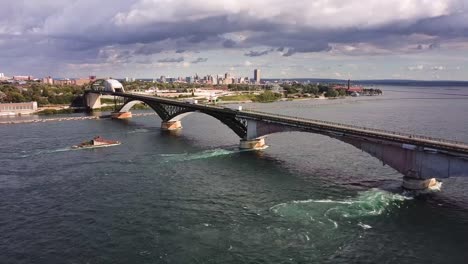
[[93, 101], [171, 125], [121, 115], [258, 143], [421, 184]]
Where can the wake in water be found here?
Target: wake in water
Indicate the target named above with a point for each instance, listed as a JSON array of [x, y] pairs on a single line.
[[139, 130], [331, 213], [48, 151], [198, 155], [206, 154]]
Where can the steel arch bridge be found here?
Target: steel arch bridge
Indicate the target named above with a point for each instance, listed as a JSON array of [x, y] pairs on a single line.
[[419, 158]]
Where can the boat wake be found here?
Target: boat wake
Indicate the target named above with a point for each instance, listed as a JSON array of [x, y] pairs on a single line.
[[206, 154], [139, 130], [48, 151], [332, 213]]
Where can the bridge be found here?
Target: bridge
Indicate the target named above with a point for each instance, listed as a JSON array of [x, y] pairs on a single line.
[[420, 159]]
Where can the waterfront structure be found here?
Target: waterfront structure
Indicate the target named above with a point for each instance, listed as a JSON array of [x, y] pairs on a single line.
[[420, 159], [18, 108], [257, 76]]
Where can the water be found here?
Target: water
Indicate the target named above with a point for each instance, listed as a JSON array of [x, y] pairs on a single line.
[[193, 197]]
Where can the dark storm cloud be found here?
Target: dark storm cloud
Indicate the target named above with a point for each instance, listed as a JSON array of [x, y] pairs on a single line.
[[229, 43], [258, 53], [148, 50], [115, 31], [170, 60], [198, 60]]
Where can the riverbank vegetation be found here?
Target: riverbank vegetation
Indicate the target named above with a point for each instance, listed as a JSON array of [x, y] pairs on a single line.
[[265, 97], [43, 94]]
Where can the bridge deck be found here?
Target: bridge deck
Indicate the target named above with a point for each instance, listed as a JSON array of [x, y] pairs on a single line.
[[320, 126]]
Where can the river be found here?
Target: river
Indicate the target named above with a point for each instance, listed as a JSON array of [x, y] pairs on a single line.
[[193, 197]]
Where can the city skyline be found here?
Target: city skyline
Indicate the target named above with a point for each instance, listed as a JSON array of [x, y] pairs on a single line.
[[419, 40]]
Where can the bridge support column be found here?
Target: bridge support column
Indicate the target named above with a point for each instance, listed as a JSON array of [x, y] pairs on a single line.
[[171, 125], [121, 115], [92, 101], [421, 184], [258, 143]]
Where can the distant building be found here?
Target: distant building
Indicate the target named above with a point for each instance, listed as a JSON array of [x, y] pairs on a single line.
[[18, 108], [2, 75], [81, 81], [63, 82], [48, 80], [162, 79], [22, 78], [257, 76]]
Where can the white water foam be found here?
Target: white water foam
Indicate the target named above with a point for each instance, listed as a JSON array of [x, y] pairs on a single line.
[[370, 203], [198, 155], [42, 152]]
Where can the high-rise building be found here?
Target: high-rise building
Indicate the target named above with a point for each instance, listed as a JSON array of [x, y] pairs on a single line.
[[48, 80], [257, 76]]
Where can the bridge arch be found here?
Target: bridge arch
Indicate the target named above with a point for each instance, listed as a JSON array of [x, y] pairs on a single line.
[[172, 114], [128, 105]]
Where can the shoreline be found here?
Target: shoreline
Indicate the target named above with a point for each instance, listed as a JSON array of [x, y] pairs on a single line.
[[60, 119]]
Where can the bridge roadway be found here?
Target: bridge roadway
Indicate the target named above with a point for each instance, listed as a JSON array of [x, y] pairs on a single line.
[[417, 157], [320, 126]]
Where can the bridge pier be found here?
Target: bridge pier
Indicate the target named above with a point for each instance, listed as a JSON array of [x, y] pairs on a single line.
[[414, 184], [258, 143], [92, 101], [121, 115], [171, 125]]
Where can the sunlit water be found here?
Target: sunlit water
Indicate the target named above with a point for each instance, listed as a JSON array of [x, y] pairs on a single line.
[[193, 197]]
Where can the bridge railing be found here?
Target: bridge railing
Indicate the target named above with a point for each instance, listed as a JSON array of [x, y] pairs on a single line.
[[319, 122], [411, 136]]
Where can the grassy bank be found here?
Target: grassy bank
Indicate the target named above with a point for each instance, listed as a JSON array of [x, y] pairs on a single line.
[[265, 97]]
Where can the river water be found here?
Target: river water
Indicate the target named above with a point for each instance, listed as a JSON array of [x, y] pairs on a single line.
[[193, 197]]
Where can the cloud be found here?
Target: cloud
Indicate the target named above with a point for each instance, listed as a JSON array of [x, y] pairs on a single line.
[[229, 43], [257, 53], [416, 68], [59, 33], [437, 68], [171, 60], [198, 60]]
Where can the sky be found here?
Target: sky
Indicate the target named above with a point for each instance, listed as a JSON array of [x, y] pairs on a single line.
[[343, 39]]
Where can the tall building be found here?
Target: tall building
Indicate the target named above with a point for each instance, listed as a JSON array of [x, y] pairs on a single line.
[[48, 80], [257, 76]]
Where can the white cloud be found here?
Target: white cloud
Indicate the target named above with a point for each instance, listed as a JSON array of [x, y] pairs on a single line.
[[332, 14], [416, 68], [437, 68]]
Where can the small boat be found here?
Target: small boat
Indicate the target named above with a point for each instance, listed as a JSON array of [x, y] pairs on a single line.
[[96, 142]]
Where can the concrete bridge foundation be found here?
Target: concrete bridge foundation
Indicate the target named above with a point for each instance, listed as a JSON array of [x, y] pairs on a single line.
[[421, 184], [171, 125], [93, 101], [258, 143], [121, 115]]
